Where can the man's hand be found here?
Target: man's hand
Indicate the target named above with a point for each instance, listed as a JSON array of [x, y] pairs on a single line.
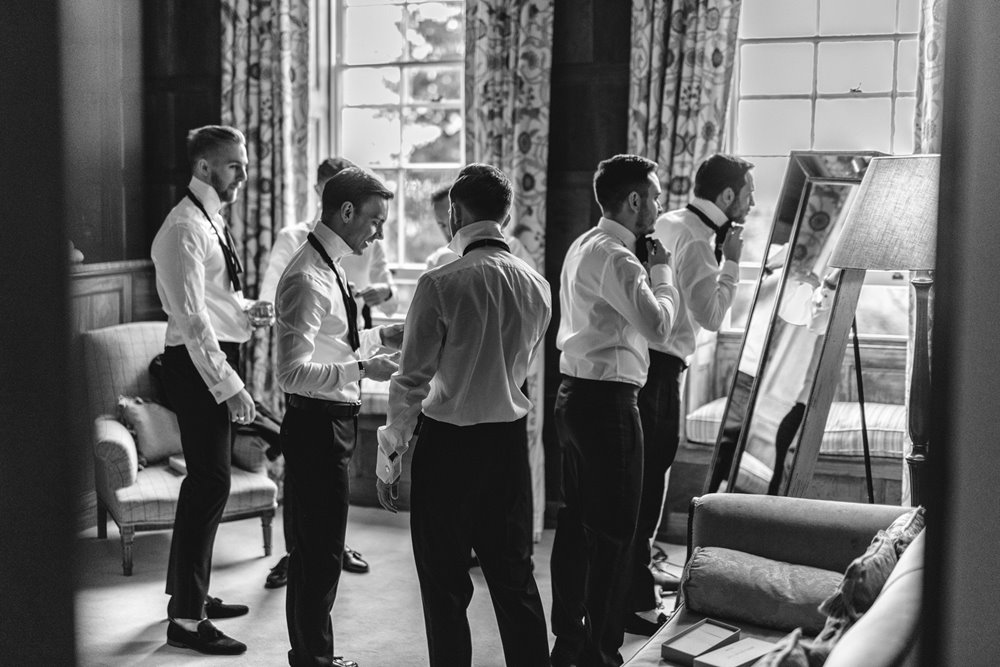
[[388, 494], [391, 335], [732, 247], [657, 254], [375, 294], [241, 408], [381, 366]]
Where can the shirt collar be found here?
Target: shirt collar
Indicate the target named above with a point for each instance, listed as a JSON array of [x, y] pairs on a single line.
[[711, 210], [335, 246], [617, 230], [482, 229], [207, 195]]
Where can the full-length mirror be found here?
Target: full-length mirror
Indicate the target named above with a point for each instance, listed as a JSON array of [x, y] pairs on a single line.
[[786, 325]]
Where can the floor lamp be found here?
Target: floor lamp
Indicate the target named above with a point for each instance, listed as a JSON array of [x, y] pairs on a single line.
[[892, 226]]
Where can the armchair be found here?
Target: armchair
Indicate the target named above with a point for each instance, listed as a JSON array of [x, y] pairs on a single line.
[[117, 361]]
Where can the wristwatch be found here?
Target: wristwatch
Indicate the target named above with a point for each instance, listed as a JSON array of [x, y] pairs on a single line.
[[361, 369]]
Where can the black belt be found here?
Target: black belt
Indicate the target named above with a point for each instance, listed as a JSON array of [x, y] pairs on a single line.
[[328, 408]]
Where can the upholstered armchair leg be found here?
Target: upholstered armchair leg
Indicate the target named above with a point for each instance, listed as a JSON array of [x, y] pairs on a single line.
[[102, 521], [265, 525], [128, 536]]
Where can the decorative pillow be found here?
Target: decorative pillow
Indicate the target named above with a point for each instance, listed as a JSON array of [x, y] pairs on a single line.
[[905, 529], [732, 584], [157, 435], [788, 652], [863, 580]]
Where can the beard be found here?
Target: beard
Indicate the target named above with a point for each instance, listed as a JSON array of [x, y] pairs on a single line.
[[227, 192]]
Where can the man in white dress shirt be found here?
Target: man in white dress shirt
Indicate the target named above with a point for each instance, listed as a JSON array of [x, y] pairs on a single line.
[[369, 279], [700, 236], [322, 356], [197, 280], [440, 204], [611, 308], [471, 331]]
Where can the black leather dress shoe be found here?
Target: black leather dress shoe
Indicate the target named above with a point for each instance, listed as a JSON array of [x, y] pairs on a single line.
[[666, 580], [278, 576], [353, 562], [208, 639], [216, 608], [338, 661], [637, 625]]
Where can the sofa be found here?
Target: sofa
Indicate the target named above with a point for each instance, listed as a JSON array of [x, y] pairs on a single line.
[[776, 559], [140, 494]]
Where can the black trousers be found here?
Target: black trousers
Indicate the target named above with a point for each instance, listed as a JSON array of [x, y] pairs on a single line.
[[206, 438], [317, 451], [660, 412], [600, 436], [472, 489]]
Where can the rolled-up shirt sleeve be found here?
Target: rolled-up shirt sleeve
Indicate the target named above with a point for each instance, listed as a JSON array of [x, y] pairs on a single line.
[[650, 308], [301, 306], [183, 279]]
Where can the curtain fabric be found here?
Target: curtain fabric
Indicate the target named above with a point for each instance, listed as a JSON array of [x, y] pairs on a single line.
[[926, 139], [265, 93], [681, 77], [508, 60]]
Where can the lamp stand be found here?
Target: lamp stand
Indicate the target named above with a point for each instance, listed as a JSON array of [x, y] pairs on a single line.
[[919, 393]]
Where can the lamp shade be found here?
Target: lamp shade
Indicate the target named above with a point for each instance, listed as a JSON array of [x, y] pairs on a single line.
[[892, 224]]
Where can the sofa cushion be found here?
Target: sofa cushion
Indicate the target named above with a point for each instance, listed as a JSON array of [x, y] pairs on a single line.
[[771, 593], [790, 651], [157, 434], [863, 580], [905, 529]]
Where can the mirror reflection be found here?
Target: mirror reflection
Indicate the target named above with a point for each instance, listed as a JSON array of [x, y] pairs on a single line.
[[785, 329]]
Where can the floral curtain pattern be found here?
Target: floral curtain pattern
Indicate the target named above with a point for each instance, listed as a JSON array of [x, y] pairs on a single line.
[[265, 93], [681, 77], [508, 60]]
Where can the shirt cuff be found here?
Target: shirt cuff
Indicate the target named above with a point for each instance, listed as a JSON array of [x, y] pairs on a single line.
[[731, 268], [229, 387], [389, 461], [661, 274]]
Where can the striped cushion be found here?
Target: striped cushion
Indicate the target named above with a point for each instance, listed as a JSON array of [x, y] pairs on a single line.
[[886, 428]]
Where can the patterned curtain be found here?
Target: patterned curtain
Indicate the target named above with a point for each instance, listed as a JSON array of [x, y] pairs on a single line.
[[265, 93], [681, 76], [926, 139], [508, 60]]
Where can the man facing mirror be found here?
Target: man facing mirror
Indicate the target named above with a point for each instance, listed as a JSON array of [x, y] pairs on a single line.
[[705, 238]]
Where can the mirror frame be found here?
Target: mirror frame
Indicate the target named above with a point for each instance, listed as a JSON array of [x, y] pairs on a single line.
[[804, 170]]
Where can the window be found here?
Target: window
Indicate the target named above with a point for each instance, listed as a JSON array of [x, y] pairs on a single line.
[[396, 105], [823, 75]]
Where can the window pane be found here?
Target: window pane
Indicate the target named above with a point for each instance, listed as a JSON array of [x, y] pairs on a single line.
[[434, 84], [772, 127], [848, 65], [390, 230], [768, 173], [909, 15], [903, 140], [772, 69], [882, 310], [422, 233], [373, 35], [852, 124], [856, 17], [370, 136], [432, 135], [371, 85], [436, 31], [906, 66], [778, 18]]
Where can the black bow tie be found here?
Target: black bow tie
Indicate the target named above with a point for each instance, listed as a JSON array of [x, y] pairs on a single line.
[[720, 230]]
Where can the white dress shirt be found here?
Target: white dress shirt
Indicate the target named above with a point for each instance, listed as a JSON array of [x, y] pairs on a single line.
[[194, 288], [441, 256], [362, 270], [315, 358], [470, 334], [609, 312], [706, 291]]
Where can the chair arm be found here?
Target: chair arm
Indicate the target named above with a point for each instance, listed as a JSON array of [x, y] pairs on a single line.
[[116, 462], [820, 533], [248, 452]]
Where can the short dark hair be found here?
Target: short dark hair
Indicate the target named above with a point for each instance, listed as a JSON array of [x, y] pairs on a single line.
[[617, 176], [330, 167], [484, 190], [355, 185], [440, 193], [718, 173], [202, 140]]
